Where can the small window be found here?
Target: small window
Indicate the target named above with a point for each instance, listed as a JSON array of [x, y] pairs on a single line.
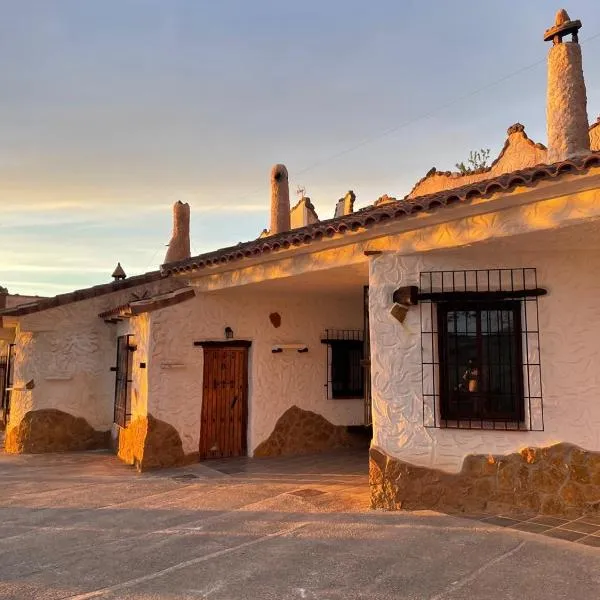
[[345, 364], [481, 363], [6, 372], [125, 349]]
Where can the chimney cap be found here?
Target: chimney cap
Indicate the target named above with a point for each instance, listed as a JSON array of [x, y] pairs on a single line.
[[118, 273], [562, 26], [279, 172]]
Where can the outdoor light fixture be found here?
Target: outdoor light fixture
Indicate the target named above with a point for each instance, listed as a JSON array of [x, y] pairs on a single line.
[[228, 333], [404, 298]]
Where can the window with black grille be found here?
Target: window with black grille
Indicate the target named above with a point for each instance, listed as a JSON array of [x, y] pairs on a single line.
[[6, 369], [123, 370], [481, 367], [480, 349], [345, 367]]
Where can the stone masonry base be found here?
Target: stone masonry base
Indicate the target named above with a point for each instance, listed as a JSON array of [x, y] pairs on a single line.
[[301, 431], [558, 480], [149, 443], [51, 430]]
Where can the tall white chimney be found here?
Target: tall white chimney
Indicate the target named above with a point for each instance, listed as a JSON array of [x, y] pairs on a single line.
[[179, 246], [280, 200], [566, 107]]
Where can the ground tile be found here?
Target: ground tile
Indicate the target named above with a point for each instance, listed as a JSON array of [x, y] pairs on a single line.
[[501, 521], [547, 520], [564, 534], [593, 519], [519, 515], [590, 540], [581, 527], [531, 527]]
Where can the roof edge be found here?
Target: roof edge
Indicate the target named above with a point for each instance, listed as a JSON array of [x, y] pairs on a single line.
[[373, 216]]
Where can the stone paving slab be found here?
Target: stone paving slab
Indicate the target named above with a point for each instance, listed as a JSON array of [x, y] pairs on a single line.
[[80, 526]]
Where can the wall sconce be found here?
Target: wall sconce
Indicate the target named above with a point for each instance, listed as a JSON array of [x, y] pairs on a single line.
[[228, 333], [404, 298]]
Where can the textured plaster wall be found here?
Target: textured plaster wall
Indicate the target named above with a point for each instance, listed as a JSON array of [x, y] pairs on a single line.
[[67, 357], [569, 323], [68, 351], [276, 381], [566, 107]]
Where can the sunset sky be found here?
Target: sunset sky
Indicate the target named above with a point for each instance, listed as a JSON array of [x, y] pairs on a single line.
[[111, 110]]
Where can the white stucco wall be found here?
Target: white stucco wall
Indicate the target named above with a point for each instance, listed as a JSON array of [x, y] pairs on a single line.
[[276, 381], [68, 355], [569, 324], [68, 352]]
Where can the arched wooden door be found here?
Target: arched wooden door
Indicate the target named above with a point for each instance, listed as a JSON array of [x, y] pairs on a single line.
[[224, 415]]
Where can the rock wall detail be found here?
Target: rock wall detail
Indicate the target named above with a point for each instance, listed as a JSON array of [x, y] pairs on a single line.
[[304, 432], [558, 480], [50, 430], [149, 443]]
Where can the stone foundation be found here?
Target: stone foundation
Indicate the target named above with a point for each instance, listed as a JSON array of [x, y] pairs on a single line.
[[304, 432], [559, 480], [50, 430], [148, 443]]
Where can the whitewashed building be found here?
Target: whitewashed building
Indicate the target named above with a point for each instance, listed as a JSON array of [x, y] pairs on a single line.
[[461, 322]]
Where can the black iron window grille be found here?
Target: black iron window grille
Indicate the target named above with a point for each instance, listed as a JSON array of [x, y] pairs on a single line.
[[123, 371], [345, 366], [481, 350], [6, 374], [368, 410]]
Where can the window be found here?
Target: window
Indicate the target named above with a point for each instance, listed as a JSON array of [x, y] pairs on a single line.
[[125, 349], [346, 369], [345, 363], [481, 365], [6, 368], [480, 349]]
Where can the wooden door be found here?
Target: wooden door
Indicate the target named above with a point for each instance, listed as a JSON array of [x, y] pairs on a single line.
[[224, 401]]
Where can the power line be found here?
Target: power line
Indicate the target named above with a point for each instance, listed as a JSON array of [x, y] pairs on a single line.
[[416, 119], [430, 113]]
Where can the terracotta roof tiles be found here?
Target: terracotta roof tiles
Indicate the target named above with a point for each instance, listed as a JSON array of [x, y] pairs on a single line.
[[84, 294], [383, 213]]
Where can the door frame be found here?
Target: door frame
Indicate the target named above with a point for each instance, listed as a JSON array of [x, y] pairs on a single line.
[[230, 344]]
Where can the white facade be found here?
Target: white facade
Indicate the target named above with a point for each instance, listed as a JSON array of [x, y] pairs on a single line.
[[67, 353], [276, 381], [567, 264]]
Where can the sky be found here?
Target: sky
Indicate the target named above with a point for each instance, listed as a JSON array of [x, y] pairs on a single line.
[[111, 111]]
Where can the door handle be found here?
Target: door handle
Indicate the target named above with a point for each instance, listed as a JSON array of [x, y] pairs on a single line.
[[235, 399]]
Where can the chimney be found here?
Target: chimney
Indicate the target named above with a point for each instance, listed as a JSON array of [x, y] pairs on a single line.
[[118, 273], [179, 246], [566, 107], [280, 200], [3, 299], [345, 205]]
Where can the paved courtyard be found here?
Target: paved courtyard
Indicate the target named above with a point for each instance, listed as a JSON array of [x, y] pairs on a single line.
[[79, 526]]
